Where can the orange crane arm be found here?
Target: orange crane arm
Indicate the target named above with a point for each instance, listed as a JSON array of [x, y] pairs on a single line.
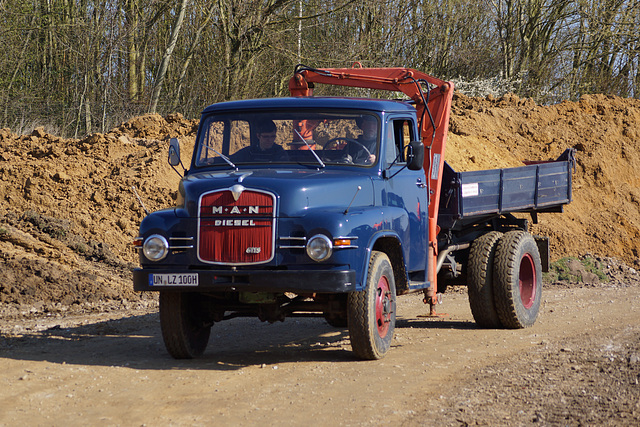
[[433, 109]]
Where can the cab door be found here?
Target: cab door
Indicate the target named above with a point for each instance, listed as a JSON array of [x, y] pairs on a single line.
[[405, 189]]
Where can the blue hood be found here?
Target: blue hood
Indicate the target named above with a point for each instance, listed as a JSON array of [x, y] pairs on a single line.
[[296, 190]]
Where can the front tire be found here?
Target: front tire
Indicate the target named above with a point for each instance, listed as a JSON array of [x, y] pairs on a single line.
[[184, 330], [372, 312], [517, 280]]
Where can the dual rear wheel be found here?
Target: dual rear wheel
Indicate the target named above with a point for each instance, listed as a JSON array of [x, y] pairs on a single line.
[[505, 280]]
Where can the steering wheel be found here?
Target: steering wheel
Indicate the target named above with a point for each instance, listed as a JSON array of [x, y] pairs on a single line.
[[334, 141]]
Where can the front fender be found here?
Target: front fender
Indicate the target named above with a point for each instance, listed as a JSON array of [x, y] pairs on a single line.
[[365, 227]]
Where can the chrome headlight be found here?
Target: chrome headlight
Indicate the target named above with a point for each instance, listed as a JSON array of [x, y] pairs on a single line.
[[155, 247], [319, 247]]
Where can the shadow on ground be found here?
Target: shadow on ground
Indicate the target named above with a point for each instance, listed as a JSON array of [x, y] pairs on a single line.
[[136, 342]]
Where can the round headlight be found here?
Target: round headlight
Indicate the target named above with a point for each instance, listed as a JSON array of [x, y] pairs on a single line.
[[155, 247], [319, 247]]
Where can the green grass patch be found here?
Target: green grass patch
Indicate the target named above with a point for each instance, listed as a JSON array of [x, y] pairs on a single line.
[[570, 269]]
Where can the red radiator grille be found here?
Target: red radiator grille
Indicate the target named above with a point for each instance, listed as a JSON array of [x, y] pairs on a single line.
[[236, 231]]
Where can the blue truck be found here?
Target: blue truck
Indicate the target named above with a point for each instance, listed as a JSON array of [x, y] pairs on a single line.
[[335, 206]]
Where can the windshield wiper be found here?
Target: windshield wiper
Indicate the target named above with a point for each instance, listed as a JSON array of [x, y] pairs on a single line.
[[225, 158], [310, 149]]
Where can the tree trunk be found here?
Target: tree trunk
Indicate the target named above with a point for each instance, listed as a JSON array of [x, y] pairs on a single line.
[[132, 49], [167, 55]]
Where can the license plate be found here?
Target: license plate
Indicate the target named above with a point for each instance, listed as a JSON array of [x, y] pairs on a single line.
[[174, 279]]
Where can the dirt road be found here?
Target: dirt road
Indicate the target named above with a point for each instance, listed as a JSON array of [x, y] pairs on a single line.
[[580, 364]]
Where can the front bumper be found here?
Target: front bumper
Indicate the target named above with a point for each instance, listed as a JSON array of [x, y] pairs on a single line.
[[296, 281]]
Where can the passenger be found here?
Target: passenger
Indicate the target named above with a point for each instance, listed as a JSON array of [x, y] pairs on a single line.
[[265, 149]]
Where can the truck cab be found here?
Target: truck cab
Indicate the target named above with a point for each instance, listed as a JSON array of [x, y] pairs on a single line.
[[282, 207]]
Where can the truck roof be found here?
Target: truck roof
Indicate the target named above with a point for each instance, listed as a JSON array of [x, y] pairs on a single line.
[[313, 102]]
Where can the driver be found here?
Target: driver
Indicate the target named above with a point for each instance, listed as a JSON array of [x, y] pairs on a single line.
[[367, 139]]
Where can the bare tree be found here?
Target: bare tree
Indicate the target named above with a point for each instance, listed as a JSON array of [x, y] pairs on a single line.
[[167, 55]]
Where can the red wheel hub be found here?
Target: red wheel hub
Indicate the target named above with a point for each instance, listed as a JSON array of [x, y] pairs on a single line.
[[383, 306], [528, 281]]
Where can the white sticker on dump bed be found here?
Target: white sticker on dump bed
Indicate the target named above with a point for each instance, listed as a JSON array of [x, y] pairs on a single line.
[[435, 166], [470, 190]]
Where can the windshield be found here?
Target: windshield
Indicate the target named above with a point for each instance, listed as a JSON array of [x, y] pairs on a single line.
[[288, 137]]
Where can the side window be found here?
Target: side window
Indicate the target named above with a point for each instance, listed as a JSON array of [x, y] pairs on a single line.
[[402, 130]]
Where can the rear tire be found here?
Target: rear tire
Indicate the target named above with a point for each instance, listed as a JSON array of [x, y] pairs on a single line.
[[184, 330], [372, 312], [517, 280], [480, 280]]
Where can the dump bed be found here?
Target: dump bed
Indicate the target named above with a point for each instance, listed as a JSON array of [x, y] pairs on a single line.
[[535, 187]]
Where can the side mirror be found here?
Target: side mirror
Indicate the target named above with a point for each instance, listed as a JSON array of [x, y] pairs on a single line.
[[415, 155], [174, 152]]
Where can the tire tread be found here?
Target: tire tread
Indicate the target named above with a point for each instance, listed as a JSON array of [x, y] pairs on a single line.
[[177, 327], [480, 280], [506, 267], [365, 342]]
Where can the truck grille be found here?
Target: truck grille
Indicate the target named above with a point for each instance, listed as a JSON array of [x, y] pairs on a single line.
[[236, 226]]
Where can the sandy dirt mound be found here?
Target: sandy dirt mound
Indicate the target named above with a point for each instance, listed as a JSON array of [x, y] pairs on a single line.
[[69, 213], [604, 217]]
